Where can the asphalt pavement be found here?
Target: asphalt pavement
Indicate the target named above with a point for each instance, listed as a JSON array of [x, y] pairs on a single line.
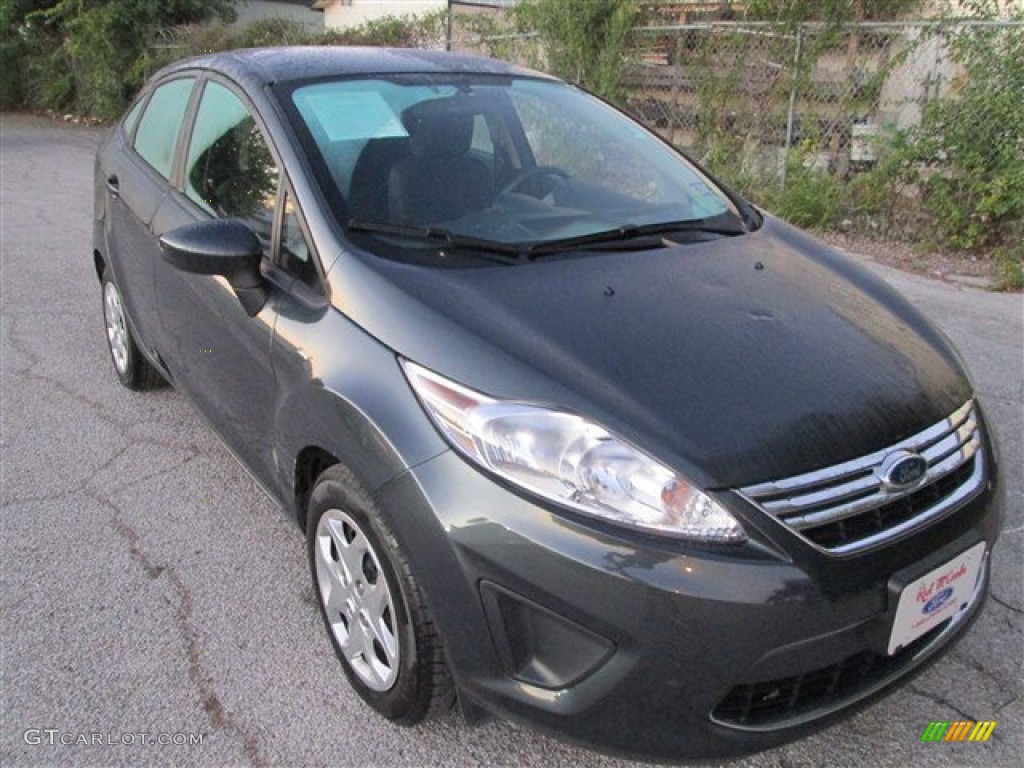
[[147, 586]]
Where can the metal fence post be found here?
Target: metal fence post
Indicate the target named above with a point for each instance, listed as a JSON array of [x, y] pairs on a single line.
[[448, 28], [791, 116]]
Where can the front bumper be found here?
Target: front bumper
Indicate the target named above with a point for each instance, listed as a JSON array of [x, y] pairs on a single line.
[[653, 648]]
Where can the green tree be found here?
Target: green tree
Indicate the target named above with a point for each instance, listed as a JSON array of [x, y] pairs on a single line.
[[88, 55], [585, 40], [12, 51]]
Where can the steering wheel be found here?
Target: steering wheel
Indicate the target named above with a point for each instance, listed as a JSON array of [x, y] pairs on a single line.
[[530, 175]]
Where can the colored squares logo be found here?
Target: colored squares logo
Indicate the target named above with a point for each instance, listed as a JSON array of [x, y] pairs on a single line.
[[958, 730]]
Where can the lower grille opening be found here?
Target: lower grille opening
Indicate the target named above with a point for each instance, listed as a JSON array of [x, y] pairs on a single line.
[[773, 701]]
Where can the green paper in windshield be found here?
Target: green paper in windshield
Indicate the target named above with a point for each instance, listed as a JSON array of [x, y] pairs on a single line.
[[349, 115]]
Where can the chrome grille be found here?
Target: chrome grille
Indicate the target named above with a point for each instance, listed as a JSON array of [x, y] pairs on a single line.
[[847, 507]]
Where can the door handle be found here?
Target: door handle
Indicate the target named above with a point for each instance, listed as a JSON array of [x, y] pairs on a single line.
[[113, 185]]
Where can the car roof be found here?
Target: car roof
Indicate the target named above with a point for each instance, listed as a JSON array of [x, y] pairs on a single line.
[[271, 65]]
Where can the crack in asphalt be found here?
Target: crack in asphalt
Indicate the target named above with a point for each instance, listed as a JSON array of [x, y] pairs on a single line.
[[1005, 704], [60, 496], [941, 701], [217, 715], [213, 707], [1005, 604], [189, 457], [155, 475], [977, 666], [98, 409], [123, 431]]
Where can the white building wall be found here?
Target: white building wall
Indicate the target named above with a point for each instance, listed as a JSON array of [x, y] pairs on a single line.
[[351, 13], [963, 8]]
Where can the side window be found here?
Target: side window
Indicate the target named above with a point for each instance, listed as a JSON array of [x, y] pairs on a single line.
[[160, 125], [128, 124], [296, 256], [482, 145], [482, 142], [229, 171]]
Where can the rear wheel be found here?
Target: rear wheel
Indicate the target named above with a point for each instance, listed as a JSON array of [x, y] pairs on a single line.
[[372, 606], [132, 368]]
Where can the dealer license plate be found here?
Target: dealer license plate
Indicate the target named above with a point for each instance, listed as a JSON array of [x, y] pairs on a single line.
[[938, 595]]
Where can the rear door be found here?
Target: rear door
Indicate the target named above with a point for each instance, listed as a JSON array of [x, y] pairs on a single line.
[[137, 172]]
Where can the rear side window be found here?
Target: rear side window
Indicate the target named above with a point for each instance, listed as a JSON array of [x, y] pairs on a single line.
[[230, 171], [128, 124], [160, 124]]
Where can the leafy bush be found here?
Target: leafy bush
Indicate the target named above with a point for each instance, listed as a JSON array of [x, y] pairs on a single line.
[[809, 199], [91, 57], [180, 42], [84, 56], [967, 155], [1010, 260], [585, 40], [423, 31], [12, 52], [273, 31]]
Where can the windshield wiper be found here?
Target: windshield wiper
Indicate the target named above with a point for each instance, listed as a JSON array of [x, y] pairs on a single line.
[[633, 237], [630, 232], [503, 253]]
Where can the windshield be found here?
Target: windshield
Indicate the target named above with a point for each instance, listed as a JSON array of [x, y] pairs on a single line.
[[515, 162]]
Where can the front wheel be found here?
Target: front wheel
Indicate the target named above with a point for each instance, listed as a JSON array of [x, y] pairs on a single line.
[[372, 606]]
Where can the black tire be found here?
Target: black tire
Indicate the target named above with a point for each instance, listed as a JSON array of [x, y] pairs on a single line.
[[420, 685], [131, 366]]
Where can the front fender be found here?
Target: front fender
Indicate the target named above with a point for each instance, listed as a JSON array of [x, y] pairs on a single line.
[[342, 391]]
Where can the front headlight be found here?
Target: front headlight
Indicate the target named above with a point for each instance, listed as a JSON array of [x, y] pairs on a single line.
[[571, 461]]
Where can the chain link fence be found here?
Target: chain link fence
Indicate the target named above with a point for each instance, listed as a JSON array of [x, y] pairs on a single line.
[[744, 96], [749, 99], [486, 30]]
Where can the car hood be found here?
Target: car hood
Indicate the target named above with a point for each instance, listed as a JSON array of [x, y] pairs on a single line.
[[736, 360]]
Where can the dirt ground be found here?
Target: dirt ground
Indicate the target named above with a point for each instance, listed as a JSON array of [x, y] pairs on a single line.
[[952, 266]]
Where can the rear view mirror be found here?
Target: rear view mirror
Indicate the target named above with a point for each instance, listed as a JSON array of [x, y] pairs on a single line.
[[220, 247]]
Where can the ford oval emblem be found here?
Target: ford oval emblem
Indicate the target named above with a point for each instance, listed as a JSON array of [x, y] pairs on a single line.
[[901, 470], [937, 601]]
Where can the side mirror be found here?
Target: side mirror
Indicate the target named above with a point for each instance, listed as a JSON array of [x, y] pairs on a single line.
[[220, 247]]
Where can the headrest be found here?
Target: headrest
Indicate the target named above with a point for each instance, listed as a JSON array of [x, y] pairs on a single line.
[[438, 128]]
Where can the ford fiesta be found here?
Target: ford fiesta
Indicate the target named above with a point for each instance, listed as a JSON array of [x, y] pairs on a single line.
[[577, 436]]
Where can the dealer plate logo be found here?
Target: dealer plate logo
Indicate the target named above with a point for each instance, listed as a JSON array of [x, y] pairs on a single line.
[[936, 603]]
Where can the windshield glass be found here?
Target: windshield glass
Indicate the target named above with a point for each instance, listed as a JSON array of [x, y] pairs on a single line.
[[503, 160]]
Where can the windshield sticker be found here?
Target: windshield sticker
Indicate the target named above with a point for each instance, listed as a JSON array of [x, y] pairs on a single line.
[[355, 115], [704, 201]]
